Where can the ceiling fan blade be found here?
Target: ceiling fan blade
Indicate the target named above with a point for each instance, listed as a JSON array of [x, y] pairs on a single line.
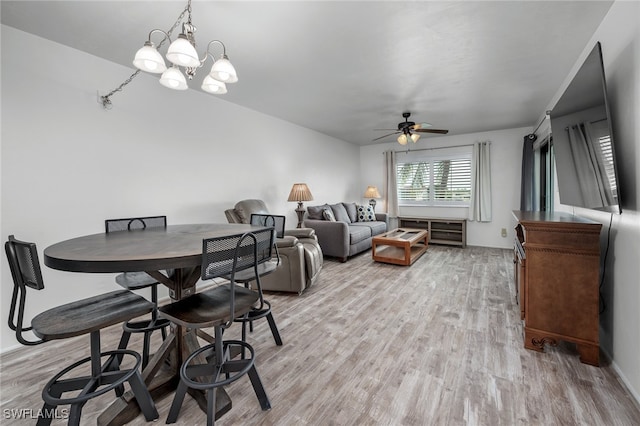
[[385, 129], [421, 125], [381, 137], [440, 131]]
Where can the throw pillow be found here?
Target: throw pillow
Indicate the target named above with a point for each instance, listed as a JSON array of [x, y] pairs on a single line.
[[315, 212], [328, 215], [340, 213], [352, 211], [366, 214]]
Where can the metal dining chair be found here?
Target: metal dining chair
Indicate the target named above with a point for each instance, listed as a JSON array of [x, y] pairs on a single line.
[[140, 280], [213, 366], [86, 316], [267, 265]]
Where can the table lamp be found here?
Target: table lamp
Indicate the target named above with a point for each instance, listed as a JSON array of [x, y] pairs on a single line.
[[372, 192], [300, 192]]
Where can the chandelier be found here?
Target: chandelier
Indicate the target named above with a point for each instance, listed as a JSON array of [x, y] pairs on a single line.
[[182, 55]]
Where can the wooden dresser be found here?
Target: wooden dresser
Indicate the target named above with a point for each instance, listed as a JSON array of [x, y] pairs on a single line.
[[557, 270]]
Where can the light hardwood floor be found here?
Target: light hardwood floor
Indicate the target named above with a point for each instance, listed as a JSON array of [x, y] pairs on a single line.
[[437, 343]]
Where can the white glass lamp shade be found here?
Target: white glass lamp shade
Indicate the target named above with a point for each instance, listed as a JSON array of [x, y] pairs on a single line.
[[174, 79], [181, 52], [222, 70], [149, 59], [402, 139], [211, 85], [415, 137]]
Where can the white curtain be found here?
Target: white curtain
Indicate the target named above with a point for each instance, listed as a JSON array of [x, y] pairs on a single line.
[[590, 169], [390, 188], [480, 206]]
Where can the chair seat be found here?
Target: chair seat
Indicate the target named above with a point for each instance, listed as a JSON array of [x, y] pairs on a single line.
[[88, 315], [138, 280], [209, 308]]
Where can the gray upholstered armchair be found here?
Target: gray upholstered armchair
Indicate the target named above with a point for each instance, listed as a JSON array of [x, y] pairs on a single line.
[[300, 254]]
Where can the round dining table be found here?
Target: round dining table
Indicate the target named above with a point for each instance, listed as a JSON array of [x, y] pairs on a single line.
[[177, 247]]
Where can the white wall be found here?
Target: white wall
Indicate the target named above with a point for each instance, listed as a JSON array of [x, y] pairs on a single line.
[[506, 163], [67, 164], [619, 35]]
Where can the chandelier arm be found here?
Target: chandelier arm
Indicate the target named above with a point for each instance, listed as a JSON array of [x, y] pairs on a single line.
[[165, 33], [208, 53]]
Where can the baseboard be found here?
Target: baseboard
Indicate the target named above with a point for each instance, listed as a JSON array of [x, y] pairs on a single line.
[[622, 378]]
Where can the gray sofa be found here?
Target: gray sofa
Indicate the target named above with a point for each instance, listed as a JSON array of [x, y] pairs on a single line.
[[345, 231]]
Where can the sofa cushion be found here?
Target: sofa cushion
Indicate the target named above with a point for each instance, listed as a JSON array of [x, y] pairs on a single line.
[[366, 214], [358, 233], [352, 211], [377, 227], [327, 214], [315, 212], [340, 213]]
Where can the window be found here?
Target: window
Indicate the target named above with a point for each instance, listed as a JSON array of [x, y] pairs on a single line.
[[435, 180]]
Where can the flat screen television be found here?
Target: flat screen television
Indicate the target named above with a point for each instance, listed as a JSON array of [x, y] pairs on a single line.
[[583, 141]]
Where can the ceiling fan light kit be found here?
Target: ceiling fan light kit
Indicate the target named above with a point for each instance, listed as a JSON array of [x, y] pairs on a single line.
[[181, 53], [407, 129], [406, 137]]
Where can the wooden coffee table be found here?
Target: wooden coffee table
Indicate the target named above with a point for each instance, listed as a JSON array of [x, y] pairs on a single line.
[[400, 246]]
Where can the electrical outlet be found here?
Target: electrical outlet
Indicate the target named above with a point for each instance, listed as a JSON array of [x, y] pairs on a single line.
[[503, 232]]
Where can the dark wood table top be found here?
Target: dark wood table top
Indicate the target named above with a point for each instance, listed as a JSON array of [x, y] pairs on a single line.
[[153, 249]]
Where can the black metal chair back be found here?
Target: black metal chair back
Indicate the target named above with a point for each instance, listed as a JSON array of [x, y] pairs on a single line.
[[129, 224], [270, 220], [25, 270], [224, 256]]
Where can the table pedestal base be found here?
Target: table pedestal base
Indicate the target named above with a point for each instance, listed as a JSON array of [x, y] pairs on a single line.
[[161, 377]]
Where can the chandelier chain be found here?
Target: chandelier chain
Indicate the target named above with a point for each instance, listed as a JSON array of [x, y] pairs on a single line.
[[106, 99]]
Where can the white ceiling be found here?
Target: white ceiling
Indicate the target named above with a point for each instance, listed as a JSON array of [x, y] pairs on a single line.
[[345, 68]]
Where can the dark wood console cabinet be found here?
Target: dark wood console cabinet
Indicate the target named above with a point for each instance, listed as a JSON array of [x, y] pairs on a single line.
[[557, 269]]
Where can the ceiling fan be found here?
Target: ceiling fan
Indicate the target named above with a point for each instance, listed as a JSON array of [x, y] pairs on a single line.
[[409, 130]]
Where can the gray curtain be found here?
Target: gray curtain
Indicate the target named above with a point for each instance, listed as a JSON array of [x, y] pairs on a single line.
[[526, 180], [391, 188], [480, 206]]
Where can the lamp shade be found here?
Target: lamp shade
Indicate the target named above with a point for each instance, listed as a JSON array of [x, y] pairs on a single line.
[[222, 70], [181, 52], [372, 192], [211, 85], [300, 192], [149, 59], [415, 137], [174, 79], [402, 139]]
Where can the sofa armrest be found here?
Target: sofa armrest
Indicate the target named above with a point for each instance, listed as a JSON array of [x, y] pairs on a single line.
[[286, 241], [382, 217], [333, 237]]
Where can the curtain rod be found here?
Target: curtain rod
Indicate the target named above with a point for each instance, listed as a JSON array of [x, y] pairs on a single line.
[[439, 147], [546, 115]]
